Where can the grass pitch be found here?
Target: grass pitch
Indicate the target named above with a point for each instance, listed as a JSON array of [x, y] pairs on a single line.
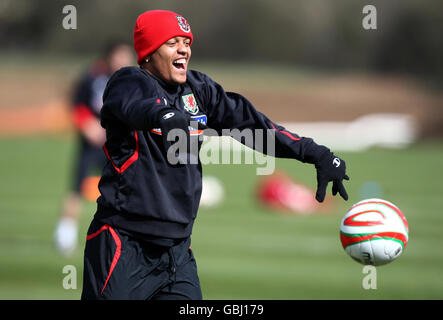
[[243, 251]]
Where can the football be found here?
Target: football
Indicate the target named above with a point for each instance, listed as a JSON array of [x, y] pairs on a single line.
[[213, 192], [374, 232]]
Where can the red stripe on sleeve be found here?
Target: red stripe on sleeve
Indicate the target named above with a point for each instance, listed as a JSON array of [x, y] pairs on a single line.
[[81, 114], [128, 162], [286, 133]]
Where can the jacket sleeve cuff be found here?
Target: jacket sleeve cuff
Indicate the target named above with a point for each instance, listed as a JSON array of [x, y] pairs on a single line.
[[154, 111], [314, 152]]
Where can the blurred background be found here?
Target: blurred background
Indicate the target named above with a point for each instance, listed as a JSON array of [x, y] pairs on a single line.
[[374, 96]]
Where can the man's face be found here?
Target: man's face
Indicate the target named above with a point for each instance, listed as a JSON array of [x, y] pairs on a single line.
[[170, 61]]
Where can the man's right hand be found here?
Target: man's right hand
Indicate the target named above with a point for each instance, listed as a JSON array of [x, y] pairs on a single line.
[[169, 119]]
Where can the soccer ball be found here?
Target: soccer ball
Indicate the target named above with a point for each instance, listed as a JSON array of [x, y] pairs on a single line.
[[374, 232], [213, 192]]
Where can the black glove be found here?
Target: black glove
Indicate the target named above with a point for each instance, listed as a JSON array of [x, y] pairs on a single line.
[[330, 168], [169, 119]]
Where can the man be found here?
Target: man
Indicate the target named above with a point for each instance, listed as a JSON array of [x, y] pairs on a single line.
[[138, 244], [86, 105]]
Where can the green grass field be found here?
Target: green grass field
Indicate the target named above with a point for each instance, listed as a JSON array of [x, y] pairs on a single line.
[[243, 251]]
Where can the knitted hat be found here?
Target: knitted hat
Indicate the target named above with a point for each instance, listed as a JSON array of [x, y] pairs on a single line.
[[155, 27]]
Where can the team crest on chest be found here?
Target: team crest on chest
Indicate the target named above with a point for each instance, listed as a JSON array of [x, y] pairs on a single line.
[[183, 24], [190, 103]]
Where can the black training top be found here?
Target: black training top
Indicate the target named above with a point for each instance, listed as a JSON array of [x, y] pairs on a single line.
[[141, 191]]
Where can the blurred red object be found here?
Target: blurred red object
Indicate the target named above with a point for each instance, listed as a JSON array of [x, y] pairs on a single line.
[[282, 193], [89, 188]]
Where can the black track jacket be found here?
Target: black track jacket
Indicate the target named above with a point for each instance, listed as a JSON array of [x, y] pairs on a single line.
[[141, 191]]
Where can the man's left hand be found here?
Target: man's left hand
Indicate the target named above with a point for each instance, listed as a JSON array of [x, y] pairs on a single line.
[[330, 168]]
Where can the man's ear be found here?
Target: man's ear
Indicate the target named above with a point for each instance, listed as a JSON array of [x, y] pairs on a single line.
[[145, 62]]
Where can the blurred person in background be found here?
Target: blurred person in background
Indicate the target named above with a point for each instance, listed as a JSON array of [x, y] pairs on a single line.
[[86, 105], [138, 243]]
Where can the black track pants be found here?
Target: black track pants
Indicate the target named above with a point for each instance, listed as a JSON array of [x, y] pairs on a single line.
[[117, 266]]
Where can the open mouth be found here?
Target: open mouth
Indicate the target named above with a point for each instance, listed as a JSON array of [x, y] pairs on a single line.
[[180, 64]]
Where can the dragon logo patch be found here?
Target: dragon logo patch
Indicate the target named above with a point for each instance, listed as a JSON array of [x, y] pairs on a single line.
[[183, 24], [190, 103]]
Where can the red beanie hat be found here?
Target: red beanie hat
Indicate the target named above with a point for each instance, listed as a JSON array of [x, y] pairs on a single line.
[[155, 27]]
